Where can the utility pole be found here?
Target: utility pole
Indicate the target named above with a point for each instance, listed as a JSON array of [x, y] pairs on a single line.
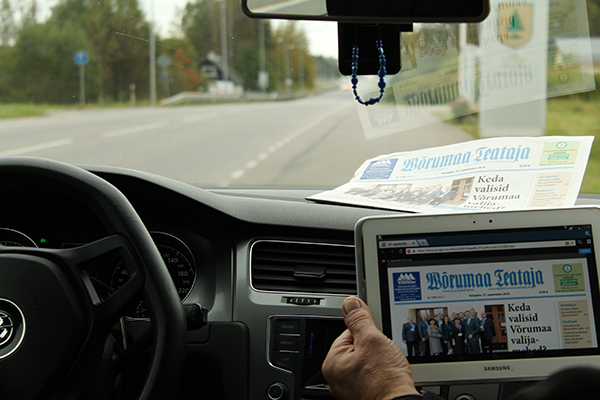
[[286, 64], [301, 58], [263, 77], [152, 57], [224, 58]]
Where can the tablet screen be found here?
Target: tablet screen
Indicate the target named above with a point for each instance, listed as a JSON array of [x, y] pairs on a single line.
[[490, 294]]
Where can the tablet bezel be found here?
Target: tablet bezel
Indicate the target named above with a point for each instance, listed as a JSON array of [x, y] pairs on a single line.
[[368, 283]]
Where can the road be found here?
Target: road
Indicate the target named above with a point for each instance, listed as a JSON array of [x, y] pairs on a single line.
[[316, 141]]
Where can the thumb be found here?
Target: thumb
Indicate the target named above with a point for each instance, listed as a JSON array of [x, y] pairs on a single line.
[[357, 317]]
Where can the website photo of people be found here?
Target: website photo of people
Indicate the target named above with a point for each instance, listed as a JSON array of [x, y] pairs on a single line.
[[452, 331]]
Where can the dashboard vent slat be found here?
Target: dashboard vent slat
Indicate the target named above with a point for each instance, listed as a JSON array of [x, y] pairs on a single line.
[[303, 267]]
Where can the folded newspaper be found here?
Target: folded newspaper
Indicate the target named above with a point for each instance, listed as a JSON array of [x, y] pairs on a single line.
[[489, 174]]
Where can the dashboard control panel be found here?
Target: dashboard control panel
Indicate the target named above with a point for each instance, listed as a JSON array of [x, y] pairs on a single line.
[[299, 344]]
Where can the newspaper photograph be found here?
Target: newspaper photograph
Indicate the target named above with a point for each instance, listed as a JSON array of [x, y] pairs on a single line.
[[488, 174], [537, 306]]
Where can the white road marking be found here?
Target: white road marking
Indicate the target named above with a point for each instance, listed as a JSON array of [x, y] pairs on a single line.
[[251, 164], [135, 129], [237, 174], [36, 147], [199, 117]]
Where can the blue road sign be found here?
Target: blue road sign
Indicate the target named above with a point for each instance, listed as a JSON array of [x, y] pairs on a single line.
[[81, 58]]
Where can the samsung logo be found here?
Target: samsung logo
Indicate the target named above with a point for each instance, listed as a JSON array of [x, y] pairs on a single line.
[[497, 368]]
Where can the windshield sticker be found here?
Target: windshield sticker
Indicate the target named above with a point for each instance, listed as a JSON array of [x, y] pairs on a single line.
[[523, 52]]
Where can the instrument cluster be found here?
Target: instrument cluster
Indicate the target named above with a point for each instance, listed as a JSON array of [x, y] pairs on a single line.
[[109, 276]]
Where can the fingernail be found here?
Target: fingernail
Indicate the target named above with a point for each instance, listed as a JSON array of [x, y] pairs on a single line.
[[350, 305]]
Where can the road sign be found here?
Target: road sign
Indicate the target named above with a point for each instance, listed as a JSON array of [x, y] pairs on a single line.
[[163, 61], [81, 58]]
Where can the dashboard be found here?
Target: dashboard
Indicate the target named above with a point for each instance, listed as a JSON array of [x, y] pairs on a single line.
[[271, 268]]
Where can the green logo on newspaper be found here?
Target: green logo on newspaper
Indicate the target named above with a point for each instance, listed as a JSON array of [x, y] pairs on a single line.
[[568, 277], [568, 282], [559, 153], [555, 157]]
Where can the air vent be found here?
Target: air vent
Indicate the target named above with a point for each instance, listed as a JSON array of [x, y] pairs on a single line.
[[303, 267]]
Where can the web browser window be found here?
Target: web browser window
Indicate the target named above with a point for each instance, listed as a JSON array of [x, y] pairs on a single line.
[[516, 293]]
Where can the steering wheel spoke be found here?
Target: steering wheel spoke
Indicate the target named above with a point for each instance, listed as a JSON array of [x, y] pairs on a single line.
[[107, 311]]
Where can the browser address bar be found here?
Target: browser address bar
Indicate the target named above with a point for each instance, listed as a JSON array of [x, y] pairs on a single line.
[[484, 247]]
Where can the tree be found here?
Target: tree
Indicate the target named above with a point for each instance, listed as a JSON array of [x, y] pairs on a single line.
[[184, 65], [594, 16], [118, 33], [291, 58], [201, 26], [7, 24], [44, 70], [8, 57]]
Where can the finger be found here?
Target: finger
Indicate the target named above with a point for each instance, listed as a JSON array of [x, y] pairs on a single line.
[[358, 318]]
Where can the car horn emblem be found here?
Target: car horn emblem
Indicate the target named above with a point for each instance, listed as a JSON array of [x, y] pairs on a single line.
[[12, 327], [6, 328]]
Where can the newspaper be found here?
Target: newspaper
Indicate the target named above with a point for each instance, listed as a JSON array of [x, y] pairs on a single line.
[[490, 174], [543, 304]]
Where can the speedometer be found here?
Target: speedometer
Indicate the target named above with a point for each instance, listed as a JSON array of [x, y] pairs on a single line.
[[179, 261], [180, 267]]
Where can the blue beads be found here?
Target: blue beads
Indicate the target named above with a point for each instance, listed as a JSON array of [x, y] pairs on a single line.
[[381, 73]]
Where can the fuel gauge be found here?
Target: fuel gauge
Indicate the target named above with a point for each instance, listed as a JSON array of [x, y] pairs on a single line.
[[11, 237]]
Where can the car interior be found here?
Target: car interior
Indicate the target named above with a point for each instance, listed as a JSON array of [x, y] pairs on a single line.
[[121, 281]]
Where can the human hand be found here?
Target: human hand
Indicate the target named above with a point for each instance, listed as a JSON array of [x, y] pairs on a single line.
[[363, 363]]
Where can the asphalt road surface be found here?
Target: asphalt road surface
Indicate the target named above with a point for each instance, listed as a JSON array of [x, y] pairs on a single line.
[[316, 141]]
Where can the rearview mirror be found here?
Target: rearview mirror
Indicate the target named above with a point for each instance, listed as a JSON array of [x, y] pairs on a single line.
[[372, 11]]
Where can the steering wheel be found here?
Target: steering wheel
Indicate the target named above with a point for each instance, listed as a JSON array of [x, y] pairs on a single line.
[[54, 326]]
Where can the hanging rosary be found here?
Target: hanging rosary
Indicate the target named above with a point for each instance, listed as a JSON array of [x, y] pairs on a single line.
[[381, 74]]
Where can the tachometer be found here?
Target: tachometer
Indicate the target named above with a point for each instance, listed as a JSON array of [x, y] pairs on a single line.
[[179, 261]]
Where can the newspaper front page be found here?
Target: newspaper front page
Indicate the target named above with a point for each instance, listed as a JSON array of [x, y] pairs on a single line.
[[553, 310], [490, 174]]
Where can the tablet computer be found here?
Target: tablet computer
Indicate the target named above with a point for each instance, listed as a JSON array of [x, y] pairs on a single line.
[[485, 296]]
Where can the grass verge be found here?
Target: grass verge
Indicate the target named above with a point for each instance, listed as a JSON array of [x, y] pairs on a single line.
[[23, 110], [573, 116], [18, 110]]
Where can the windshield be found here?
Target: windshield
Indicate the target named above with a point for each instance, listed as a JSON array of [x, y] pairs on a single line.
[[197, 91]]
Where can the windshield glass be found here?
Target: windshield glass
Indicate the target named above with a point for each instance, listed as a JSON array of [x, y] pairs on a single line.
[[197, 91]]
